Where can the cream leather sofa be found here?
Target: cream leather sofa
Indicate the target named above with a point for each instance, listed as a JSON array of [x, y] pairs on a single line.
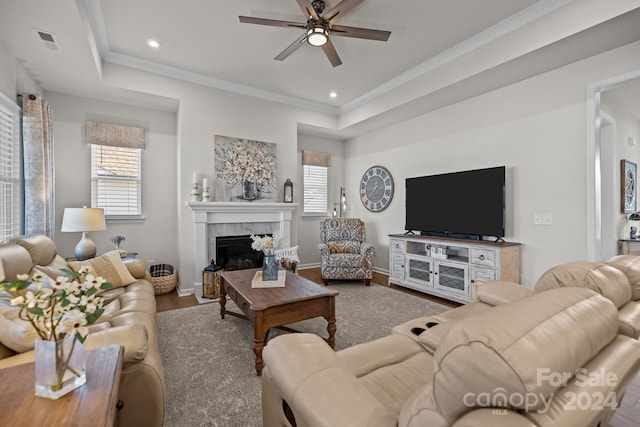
[[130, 321], [554, 358], [618, 280]]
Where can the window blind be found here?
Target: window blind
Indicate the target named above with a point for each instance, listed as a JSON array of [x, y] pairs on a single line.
[[116, 180], [315, 189], [9, 169]]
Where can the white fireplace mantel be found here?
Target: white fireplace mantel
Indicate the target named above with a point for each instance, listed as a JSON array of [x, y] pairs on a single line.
[[205, 213]]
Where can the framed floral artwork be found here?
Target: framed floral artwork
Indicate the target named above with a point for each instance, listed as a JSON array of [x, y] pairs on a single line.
[[245, 170], [628, 186]]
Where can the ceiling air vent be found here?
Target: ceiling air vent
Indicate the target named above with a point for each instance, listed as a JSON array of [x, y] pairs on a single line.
[[48, 40]]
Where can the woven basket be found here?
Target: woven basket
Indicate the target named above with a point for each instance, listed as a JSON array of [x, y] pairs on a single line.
[[163, 278], [164, 284]]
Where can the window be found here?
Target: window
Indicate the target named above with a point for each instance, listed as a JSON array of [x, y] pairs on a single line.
[[116, 180], [10, 199], [315, 190], [315, 167]]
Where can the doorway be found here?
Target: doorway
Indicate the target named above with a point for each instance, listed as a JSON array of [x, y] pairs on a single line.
[[602, 211]]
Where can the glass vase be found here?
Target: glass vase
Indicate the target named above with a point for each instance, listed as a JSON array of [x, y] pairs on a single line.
[[249, 190], [60, 367], [269, 268]]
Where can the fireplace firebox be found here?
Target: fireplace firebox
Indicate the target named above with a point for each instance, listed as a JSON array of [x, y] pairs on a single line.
[[235, 253]]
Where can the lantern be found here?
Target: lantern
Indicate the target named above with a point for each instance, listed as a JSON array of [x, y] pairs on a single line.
[[211, 281], [288, 191]]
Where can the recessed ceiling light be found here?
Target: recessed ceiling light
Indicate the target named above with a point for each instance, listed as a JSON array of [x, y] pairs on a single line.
[[333, 94], [153, 43]]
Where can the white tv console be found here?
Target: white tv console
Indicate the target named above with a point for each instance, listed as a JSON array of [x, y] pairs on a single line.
[[448, 267]]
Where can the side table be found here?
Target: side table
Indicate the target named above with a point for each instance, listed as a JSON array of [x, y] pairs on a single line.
[[629, 247], [128, 255], [93, 404]]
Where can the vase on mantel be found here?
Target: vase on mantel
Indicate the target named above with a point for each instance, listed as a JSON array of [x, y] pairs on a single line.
[[249, 190], [60, 367], [269, 267]]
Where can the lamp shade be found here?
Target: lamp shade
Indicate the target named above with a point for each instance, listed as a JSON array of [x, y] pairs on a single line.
[[83, 219]]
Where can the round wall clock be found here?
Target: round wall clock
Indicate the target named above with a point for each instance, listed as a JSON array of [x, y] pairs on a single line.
[[376, 188]]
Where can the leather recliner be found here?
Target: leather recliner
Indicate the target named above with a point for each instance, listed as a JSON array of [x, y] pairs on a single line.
[[516, 364]]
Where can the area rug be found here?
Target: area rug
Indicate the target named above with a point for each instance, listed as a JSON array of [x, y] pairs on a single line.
[[209, 362]]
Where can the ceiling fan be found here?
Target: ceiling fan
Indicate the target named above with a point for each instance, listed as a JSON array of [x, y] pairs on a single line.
[[319, 26]]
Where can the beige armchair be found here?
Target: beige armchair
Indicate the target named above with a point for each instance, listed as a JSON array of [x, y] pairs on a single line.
[[345, 253]]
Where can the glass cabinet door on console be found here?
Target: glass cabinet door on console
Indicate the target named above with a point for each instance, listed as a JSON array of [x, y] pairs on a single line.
[[419, 270], [452, 277]]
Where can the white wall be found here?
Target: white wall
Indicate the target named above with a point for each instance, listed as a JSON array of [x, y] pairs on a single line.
[[14, 79], [536, 128], [203, 113], [156, 237]]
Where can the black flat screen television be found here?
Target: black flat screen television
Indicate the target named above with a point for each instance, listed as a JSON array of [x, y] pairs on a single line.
[[459, 204]]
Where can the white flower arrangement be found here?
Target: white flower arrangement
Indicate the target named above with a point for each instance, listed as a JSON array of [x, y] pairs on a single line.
[[57, 308], [266, 244]]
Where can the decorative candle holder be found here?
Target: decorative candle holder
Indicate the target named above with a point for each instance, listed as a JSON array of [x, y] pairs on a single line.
[[206, 196], [195, 193]]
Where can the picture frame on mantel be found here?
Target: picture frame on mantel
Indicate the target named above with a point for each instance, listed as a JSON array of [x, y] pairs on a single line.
[[628, 186]]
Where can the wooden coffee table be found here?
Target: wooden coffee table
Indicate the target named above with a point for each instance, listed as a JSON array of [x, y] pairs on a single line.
[[268, 308]]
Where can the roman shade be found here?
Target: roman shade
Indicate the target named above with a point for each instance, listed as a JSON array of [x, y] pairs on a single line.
[[316, 158], [115, 135]]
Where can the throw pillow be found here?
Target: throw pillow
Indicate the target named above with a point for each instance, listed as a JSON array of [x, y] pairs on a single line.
[[52, 272], [109, 266], [289, 253], [15, 333]]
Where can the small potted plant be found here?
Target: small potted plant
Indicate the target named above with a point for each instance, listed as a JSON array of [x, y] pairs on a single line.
[[117, 240]]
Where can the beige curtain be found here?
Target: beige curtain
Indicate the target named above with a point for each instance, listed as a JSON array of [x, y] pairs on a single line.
[[37, 142]]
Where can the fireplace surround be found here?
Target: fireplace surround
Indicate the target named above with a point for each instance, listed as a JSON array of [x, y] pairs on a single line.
[[213, 219]]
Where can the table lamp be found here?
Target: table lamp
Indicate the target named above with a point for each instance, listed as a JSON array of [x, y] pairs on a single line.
[[83, 220]]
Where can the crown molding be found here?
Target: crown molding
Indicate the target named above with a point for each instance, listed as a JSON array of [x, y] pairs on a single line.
[[500, 29]]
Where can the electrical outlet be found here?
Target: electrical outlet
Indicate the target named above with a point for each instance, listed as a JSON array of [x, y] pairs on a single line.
[[542, 219]]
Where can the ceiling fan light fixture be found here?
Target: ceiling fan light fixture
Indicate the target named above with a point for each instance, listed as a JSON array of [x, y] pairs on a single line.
[[317, 36]]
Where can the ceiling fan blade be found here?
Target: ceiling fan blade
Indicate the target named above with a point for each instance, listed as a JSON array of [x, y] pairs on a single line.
[[360, 33], [291, 48], [340, 10], [330, 50], [307, 9], [271, 22]]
